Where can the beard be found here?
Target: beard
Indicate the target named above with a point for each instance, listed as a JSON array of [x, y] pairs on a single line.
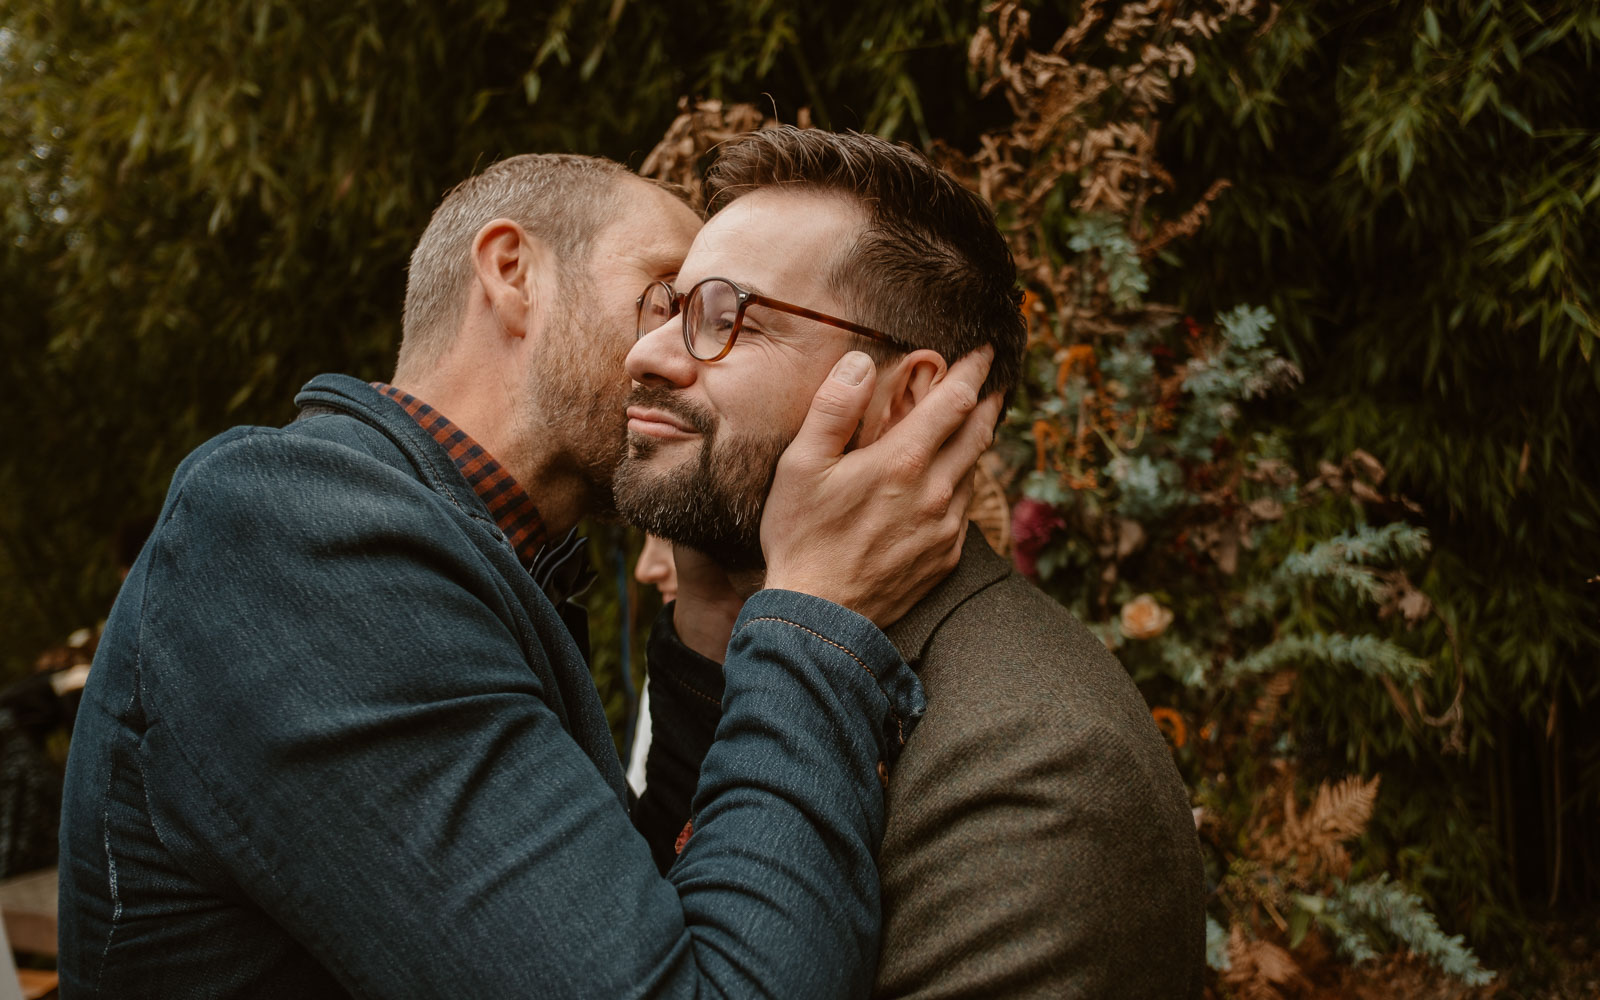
[[711, 502], [577, 393]]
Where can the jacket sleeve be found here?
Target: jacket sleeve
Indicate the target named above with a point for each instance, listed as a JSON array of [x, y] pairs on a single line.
[[341, 727], [685, 707]]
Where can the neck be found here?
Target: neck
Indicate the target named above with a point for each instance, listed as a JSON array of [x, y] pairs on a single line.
[[747, 581], [494, 415]]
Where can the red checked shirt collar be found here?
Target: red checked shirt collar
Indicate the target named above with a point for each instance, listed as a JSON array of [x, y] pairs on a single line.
[[508, 503]]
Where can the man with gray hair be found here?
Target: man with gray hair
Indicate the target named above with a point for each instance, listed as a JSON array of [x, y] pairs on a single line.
[[338, 741]]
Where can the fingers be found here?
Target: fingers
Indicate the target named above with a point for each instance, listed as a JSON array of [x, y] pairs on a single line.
[[945, 407], [962, 499], [836, 409], [971, 440]]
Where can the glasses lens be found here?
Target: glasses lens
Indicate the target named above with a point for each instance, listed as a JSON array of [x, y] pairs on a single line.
[[655, 308], [710, 316]]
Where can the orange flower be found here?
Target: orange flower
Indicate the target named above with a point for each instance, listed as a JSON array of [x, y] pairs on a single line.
[[1145, 618], [1171, 723]]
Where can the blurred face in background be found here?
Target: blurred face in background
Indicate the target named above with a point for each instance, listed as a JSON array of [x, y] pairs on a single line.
[[656, 568]]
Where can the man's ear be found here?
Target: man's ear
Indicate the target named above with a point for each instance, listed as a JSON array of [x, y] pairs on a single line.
[[511, 271], [901, 385]]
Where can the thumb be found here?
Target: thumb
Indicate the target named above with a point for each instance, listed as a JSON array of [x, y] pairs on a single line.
[[836, 410]]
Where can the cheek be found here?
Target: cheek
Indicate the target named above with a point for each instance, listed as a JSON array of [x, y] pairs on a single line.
[[605, 356], [613, 341], [765, 394]]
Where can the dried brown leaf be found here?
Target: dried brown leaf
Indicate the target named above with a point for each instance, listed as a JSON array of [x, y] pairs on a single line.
[[1259, 967]]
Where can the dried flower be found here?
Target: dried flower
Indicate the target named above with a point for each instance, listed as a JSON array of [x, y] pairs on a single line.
[[1032, 524], [1171, 724], [1145, 618]]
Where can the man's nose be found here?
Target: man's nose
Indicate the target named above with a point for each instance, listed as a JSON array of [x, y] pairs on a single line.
[[660, 357], [649, 571]]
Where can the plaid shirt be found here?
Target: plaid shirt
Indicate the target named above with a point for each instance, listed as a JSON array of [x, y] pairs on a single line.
[[508, 502]]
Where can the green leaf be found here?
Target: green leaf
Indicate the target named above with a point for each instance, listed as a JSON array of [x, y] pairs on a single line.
[[1514, 116]]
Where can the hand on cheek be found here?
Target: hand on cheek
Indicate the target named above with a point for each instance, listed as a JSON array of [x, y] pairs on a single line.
[[875, 529]]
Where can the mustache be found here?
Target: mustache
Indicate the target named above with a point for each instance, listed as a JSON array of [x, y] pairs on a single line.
[[667, 400]]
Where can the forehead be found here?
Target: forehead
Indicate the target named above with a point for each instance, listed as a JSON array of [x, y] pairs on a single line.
[[652, 230], [779, 242]]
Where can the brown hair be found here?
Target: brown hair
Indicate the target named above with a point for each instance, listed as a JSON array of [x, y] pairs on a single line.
[[930, 267]]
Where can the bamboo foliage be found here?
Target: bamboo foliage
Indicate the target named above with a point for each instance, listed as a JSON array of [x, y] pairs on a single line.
[[1416, 189]]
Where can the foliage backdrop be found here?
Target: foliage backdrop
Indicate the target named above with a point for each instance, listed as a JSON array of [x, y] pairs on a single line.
[[205, 204]]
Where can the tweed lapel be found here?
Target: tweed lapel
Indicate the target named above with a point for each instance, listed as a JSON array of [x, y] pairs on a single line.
[[979, 567]]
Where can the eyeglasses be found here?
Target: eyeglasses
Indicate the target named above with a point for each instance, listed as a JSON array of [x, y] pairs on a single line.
[[713, 315]]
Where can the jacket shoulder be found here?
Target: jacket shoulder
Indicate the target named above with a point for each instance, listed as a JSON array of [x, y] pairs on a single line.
[[1038, 786], [1010, 647]]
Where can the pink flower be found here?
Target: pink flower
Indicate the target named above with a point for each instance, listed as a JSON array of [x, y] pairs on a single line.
[[1032, 524]]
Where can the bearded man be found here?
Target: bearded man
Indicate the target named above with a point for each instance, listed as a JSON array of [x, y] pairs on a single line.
[[338, 741], [1039, 840]]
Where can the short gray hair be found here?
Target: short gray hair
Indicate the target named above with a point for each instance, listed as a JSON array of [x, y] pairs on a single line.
[[562, 199]]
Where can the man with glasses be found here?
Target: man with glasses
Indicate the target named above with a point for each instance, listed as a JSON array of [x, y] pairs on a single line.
[[338, 739], [1039, 840]]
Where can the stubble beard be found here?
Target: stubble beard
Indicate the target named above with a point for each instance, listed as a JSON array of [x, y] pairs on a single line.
[[712, 502], [578, 397]]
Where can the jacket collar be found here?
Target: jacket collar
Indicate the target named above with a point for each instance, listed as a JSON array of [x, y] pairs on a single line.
[[359, 399], [979, 567]]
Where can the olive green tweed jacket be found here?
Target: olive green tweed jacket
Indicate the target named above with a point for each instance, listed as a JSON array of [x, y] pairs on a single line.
[[1039, 842]]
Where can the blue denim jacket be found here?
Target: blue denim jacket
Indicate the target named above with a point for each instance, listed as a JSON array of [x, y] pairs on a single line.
[[337, 742]]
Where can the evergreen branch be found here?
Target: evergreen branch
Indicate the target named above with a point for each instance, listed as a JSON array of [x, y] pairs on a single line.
[[1217, 946], [1369, 654], [1345, 559], [1402, 914]]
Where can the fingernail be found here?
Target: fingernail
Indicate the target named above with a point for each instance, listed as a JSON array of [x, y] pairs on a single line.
[[852, 368], [989, 348]]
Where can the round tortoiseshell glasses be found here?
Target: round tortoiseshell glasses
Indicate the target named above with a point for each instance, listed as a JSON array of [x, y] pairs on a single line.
[[713, 313]]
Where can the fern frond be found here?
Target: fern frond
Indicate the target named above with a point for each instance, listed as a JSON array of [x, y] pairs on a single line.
[[1265, 711], [1257, 968], [1338, 813]]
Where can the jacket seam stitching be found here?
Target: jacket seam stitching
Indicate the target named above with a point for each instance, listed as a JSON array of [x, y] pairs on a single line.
[[899, 725], [859, 662]]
